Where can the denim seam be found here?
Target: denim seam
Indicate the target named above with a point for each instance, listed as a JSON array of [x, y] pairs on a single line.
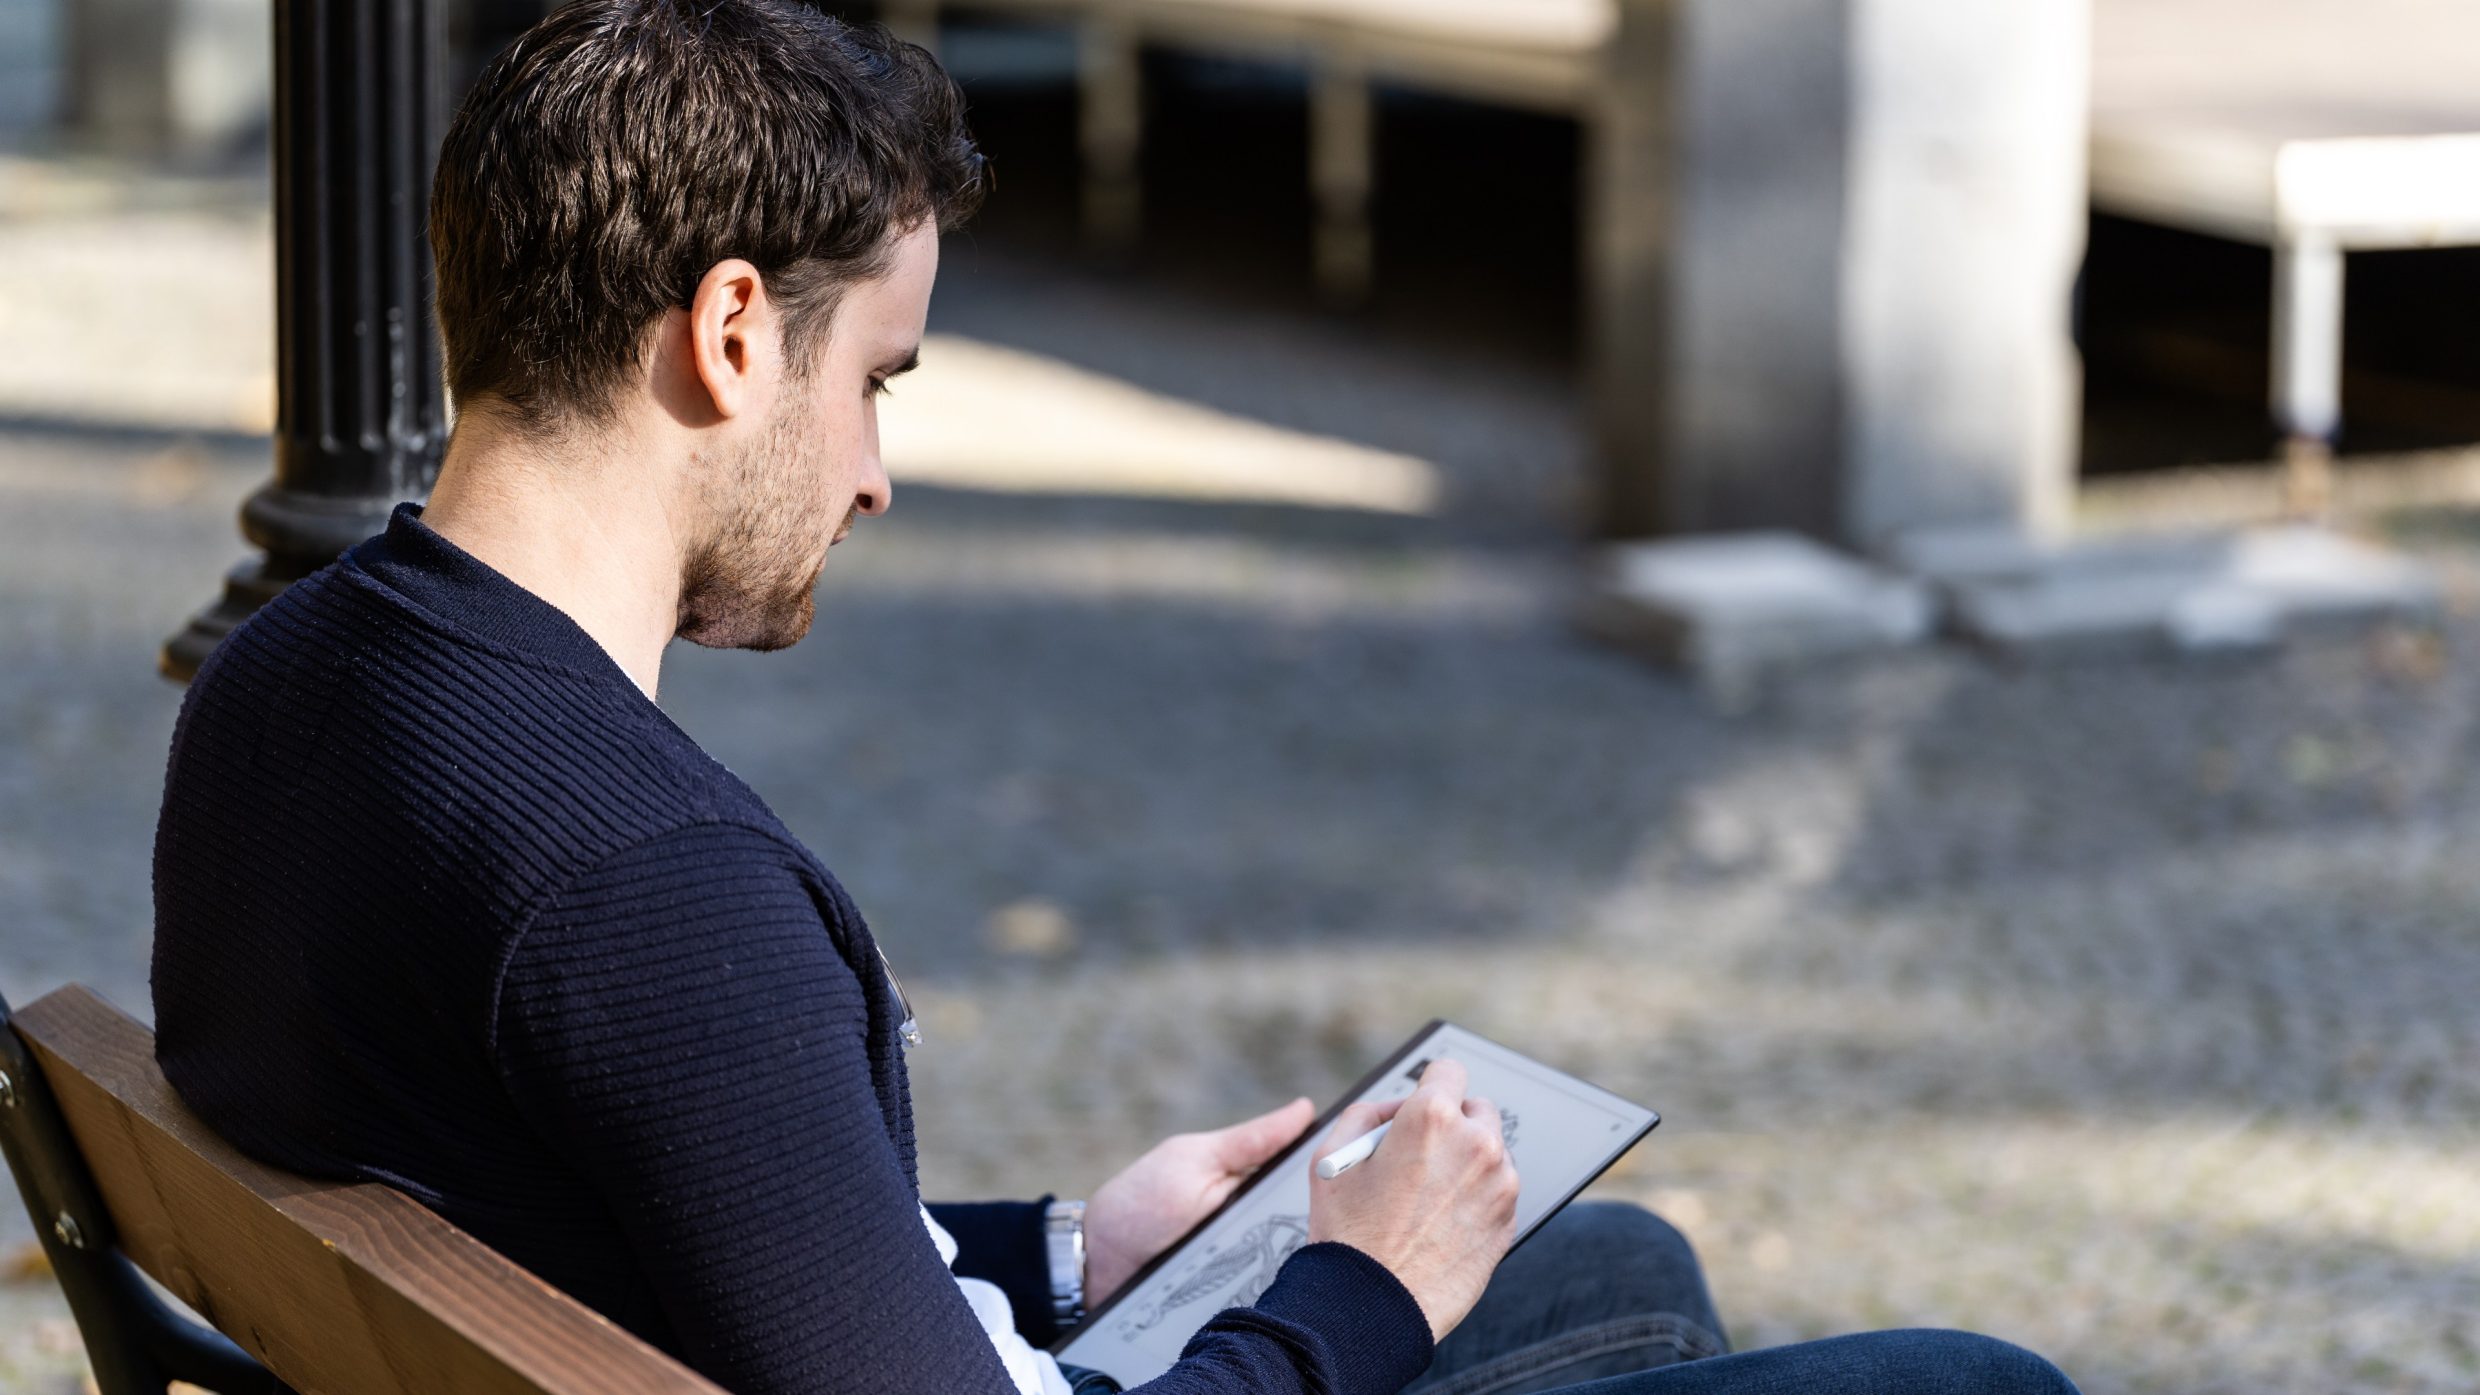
[[1687, 1338]]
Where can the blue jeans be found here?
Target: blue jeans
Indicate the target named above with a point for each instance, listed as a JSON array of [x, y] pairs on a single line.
[[1608, 1299]]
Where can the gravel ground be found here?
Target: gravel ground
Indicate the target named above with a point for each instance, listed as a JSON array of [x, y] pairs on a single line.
[[2120, 1010]]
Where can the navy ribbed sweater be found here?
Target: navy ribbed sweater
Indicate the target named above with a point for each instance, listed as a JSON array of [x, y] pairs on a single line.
[[443, 900]]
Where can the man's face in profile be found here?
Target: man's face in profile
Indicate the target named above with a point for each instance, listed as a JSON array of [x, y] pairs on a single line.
[[810, 471]]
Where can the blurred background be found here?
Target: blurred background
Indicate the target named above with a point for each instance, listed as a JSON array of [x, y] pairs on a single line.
[[1211, 710]]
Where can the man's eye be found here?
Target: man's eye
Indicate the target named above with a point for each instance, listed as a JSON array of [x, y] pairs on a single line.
[[877, 388]]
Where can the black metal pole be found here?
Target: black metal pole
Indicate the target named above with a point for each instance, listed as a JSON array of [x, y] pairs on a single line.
[[360, 419]]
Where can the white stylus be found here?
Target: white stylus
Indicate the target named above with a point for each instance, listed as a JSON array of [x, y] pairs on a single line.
[[1358, 1150]]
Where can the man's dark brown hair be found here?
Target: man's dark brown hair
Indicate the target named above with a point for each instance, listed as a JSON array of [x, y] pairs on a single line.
[[620, 148]]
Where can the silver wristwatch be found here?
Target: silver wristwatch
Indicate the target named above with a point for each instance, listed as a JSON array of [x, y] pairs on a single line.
[[1063, 1235]]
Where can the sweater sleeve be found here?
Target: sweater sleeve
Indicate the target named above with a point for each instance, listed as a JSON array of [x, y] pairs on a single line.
[[1333, 1322], [680, 1026], [1331, 1304]]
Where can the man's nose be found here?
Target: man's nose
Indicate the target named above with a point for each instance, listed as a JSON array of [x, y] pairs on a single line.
[[876, 493]]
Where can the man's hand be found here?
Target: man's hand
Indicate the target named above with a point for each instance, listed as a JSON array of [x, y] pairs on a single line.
[[1161, 1196], [1436, 1204]]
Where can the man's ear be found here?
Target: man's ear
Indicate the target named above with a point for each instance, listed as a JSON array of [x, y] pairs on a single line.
[[732, 336]]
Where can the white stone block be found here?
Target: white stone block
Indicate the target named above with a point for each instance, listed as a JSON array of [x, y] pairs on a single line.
[[2315, 573], [2190, 593], [1729, 607]]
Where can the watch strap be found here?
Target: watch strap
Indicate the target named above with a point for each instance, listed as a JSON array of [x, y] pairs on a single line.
[[1063, 1237]]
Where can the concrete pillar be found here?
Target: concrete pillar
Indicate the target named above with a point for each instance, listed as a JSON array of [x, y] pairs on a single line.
[[1342, 163], [1631, 195], [1847, 314], [1968, 213], [1110, 128]]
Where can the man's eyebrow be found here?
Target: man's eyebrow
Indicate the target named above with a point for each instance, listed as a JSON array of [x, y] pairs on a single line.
[[912, 360]]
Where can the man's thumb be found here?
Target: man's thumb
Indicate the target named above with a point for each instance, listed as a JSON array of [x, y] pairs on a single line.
[[1246, 1144]]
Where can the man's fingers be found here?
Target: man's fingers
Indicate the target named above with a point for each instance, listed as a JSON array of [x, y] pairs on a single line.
[[1246, 1144], [1485, 1117], [1358, 1119], [1446, 1076], [1440, 1095]]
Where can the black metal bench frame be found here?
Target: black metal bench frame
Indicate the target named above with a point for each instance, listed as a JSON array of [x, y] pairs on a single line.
[[136, 1342]]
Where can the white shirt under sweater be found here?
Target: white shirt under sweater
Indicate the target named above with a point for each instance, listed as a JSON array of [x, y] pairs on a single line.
[[1035, 1372]]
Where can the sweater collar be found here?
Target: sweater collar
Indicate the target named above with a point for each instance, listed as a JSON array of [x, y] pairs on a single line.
[[414, 560]]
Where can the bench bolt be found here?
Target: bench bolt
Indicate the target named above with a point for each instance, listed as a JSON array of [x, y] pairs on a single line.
[[65, 1227]]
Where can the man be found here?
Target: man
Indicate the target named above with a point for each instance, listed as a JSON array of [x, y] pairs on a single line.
[[445, 900]]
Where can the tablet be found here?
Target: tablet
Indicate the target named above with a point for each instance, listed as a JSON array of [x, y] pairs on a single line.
[[1561, 1132]]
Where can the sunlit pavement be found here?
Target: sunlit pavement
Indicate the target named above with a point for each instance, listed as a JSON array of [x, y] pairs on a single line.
[[2122, 1011]]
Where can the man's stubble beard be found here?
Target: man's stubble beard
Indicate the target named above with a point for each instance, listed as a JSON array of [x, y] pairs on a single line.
[[752, 583]]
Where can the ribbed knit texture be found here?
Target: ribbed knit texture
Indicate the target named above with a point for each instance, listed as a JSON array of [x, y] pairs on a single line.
[[444, 901]]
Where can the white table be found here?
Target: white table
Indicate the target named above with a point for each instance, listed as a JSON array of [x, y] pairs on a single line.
[[2314, 127]]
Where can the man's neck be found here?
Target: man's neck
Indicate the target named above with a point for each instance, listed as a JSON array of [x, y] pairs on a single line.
[[587, 530]]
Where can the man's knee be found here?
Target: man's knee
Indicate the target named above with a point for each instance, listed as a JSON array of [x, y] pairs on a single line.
[[1621, 1230], [1623, 1224], [1619, 1260], [1966, 1363]]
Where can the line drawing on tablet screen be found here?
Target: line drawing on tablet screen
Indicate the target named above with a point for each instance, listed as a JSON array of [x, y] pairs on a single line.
[[1232, 1276]]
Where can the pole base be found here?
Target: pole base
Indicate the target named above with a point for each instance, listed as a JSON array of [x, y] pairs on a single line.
[[247, 586]]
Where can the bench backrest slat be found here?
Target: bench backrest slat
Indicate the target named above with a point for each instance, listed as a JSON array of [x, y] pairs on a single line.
[[345, 1287]]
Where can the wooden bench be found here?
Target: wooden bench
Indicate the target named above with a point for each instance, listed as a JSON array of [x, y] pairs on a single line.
[[315, 1286]]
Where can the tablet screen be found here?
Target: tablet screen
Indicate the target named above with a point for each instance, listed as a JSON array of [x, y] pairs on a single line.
[[1561, 1133]]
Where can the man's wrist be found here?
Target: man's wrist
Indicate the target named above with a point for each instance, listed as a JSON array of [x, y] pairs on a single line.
[[1063, 1235]]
